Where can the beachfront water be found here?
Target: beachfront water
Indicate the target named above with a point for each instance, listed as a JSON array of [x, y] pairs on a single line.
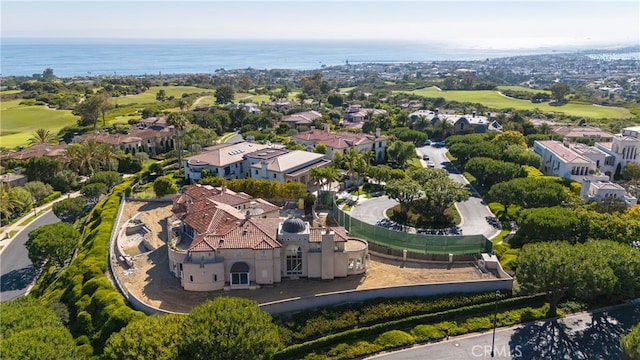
[[79, 57]]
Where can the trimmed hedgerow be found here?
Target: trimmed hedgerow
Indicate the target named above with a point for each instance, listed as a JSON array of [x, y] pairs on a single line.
[[312, 324], [54, 195], [96, 308], [408, 323], [421, 333]]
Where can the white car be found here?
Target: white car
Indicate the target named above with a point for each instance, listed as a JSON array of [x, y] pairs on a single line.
[[431, 164]]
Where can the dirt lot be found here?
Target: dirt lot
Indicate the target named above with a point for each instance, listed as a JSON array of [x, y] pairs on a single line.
[[151, 280]]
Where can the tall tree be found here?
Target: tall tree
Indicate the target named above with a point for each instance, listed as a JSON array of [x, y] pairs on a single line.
[[55, 242], [104, 104], [41, 168], [134, 340], [179, 122], [38, 189], [224, 94], [108, 156], [404, 191], [400, 151], [229, 328], [84, 157], [559, 91]]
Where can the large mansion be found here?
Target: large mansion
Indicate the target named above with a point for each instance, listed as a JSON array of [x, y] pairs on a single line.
[[227, 240], [343, 141], [251, 160]]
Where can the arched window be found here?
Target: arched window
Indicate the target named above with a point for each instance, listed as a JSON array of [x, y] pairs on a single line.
[[293, 256], [239, 273]]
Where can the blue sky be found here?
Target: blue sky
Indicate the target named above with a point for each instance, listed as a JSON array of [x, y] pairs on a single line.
[[505, 24]]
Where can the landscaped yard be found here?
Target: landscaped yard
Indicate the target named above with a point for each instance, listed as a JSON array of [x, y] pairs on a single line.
[[494, 99], [20, 121]]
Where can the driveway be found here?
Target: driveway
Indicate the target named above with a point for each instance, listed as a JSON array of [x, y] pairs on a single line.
[[473, 211]]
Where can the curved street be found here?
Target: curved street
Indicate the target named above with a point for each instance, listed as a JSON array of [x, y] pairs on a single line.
[[16, 270], [473, 211], [587, 335]]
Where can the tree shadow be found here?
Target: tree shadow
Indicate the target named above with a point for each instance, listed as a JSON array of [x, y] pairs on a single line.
[[17, 279], [575, 338]]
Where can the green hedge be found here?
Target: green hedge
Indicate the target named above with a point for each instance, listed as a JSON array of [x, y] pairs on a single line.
[[312, 324], [54, 195], [395, 339], [96, 308], [406, 324]]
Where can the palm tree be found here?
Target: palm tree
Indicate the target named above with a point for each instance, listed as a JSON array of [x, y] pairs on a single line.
[[41, 136], [107, 153], [84, 157], [179, 122]]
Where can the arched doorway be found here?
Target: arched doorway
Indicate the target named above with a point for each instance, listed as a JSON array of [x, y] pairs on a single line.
[[239, 274]]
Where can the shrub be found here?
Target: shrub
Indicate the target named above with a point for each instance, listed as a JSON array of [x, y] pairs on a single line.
[[54, 195], [394, 339], [423, 333]]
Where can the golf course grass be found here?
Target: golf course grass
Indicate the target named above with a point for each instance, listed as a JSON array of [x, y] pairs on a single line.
[[149, 96], [493, 99], [18, 122]]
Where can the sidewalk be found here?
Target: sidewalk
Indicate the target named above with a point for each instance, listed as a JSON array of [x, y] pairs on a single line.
[[15, 226]]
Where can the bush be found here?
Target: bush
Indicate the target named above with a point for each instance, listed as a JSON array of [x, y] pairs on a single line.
[[54, 195], [394, 339]]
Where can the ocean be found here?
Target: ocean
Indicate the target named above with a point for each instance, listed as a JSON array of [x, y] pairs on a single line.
[[82, 57]]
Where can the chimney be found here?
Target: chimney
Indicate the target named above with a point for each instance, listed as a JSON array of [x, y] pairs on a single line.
[[474, 114], [247, 216], [263, 168], [221, 242], [377, 132], [223, 188], [327, 128], [312, 128]]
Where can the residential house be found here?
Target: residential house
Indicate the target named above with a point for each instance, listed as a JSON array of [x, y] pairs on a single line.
[[343, 141], [13, 179], [356, 113], [37, 150], [573, 133], [623, 149], [559, 159], [305, 118], [462, 124], [223, 160], [150, 139], [217, 246], [290, 166], [596, 188]]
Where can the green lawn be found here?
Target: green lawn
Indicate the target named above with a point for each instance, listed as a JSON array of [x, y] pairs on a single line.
[[149, 96], [493, 99], [18, 122], [523, 88], [10, 92], [347, 89]]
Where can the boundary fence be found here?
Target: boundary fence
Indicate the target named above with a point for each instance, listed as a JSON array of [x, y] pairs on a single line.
[[414, 243]]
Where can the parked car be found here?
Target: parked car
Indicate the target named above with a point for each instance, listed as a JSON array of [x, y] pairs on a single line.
[[425, 157], [439, 144], [431, 164], [427, 142]]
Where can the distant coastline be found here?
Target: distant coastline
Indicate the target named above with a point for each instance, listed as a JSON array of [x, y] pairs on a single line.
[[88, 57]]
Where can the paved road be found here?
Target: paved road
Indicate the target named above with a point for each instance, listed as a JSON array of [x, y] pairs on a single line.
[[16, 270], [473, 211], [582, 336]]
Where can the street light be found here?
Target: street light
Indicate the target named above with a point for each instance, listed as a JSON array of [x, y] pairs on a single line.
[[495, 316]]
